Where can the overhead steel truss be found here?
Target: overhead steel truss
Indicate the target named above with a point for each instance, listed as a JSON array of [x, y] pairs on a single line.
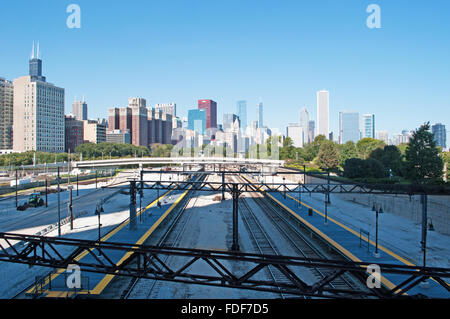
[[148, 262], [296, 187]]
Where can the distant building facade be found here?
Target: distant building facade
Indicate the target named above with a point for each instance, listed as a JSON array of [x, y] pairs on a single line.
[[241, 110], [295, 132], [6, 114], [323, 113], [74, 134], [80, 110], [197, 120], [38, 120], [348, 127], [440, 135], [93, 132], [118, 137], [168, 108], [368, 125], [210, 107]]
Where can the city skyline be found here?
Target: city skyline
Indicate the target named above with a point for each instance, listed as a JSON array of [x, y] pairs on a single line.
[[383, 85]]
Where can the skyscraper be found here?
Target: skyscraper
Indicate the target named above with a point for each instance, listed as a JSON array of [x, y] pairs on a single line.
[[39, 122], [139, 121], [228, 120], [197, 120], [311, 130], [368, 125], [113, 119], [323, 113], [6, 114], [36, 66], [242, 113], [74, 133], [259, 114], [211, 112], [382, 136], [440, 134], [79, 110], [304, 123], [295, 132], [168, 108], [348, 127]]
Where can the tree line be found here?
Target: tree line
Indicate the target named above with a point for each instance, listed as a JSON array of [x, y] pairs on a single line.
[[419, 161]]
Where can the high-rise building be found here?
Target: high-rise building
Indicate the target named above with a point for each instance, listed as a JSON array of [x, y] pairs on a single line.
[[113, 119], [168, 108], [39, 122], [242, 113], [197, 120], [93, 132], [228, 120], [304, 123], [74, 134], [323, 113], [348, 127], [139, 121], [137, 102], [125, 119], [6, 114], [36, 66], [80, 110], [259, 114], [440, 134], [368, 125], [295, 132], [382, 136], [211, 112], [311, 130]]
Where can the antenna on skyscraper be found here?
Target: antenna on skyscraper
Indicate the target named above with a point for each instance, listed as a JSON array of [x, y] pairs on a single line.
[[32, 51], [37, 57]]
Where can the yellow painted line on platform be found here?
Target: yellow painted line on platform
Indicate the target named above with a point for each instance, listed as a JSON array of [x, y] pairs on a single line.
[[386, 250], [104, 238], [346, 252], [107, 279]]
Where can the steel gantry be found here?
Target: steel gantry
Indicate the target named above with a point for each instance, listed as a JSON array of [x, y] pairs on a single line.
[[237, 188], [144, 261]]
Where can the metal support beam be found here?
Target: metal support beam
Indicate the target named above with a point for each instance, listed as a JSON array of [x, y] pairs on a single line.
[[235, 194], [133, 205], [149, 262]]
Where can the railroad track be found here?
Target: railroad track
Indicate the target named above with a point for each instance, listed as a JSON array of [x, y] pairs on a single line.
[[169, 239], [299, 242]]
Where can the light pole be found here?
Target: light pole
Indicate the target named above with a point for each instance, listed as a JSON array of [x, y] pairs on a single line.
[[70, 187], [377, 211]]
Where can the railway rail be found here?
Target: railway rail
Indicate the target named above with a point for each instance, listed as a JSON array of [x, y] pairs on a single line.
[[292, 234]]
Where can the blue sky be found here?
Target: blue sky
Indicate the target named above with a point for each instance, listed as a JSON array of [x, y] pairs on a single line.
[[280, 51]]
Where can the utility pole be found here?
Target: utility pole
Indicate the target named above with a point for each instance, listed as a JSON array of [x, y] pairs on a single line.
[[59, 206], [424, 201], [77, 185], [46, 191], [16, 190], [71, 208]]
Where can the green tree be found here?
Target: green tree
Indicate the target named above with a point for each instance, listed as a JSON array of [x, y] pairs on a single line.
[[328, 157], [367, 145], [423, 163], [348, 150], [390, 157]]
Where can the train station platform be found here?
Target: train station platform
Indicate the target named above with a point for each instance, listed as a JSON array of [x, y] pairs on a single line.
[[353, 244], [54, 285]]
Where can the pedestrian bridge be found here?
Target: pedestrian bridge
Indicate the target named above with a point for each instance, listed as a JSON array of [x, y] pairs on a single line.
[[182, 161]]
